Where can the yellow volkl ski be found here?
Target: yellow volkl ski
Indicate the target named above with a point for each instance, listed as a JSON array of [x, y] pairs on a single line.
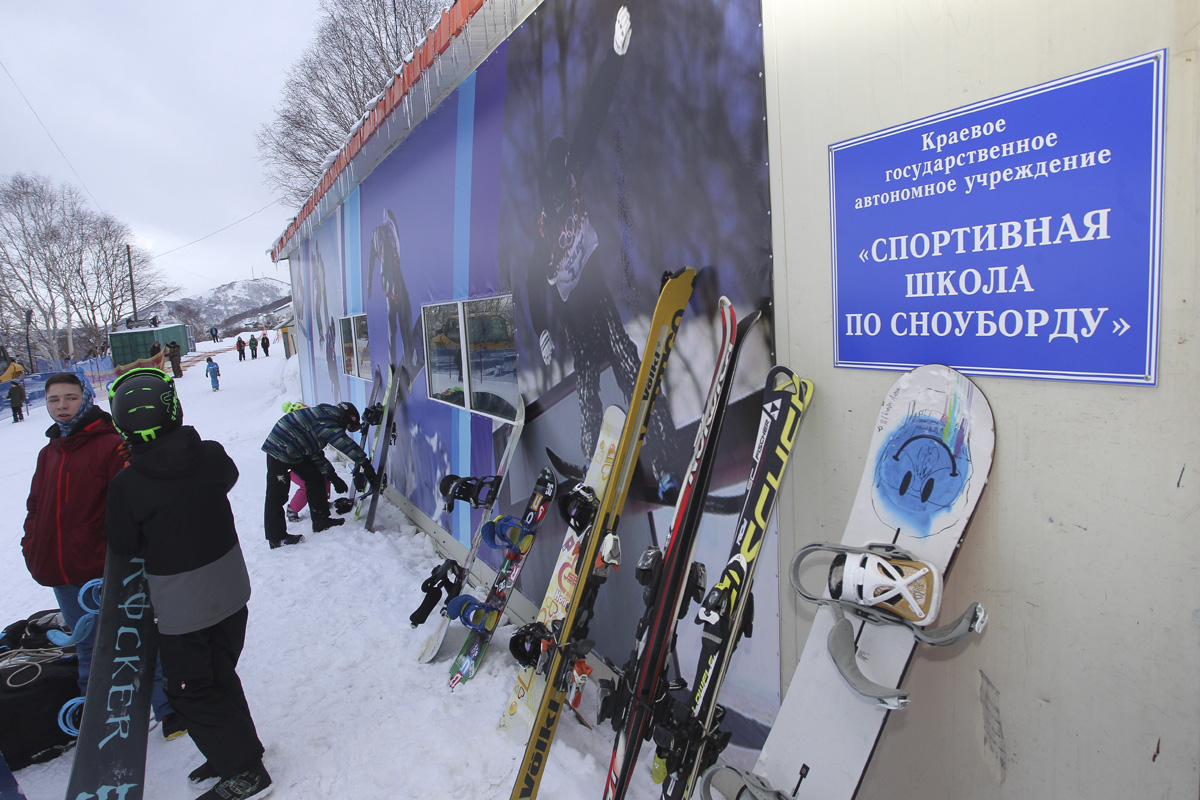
[[569, 643]]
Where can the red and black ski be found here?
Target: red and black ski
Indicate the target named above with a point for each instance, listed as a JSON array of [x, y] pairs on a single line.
[[671, 578]]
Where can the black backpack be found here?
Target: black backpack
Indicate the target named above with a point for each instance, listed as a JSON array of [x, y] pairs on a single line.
[[36, 679]]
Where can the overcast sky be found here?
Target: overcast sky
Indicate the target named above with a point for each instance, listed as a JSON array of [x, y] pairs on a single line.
[[155, 106]]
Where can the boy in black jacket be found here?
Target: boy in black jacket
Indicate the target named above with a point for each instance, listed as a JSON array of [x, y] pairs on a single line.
[[171, 506]]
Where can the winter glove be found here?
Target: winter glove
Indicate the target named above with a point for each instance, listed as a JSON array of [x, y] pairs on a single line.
[[339, 485], [369, 473]]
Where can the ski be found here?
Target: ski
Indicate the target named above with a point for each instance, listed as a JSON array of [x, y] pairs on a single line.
[[374, 452], [110, 754], [372, 416], [670, 578], [688, 737], [451, 576], [927, 467], [527, 691], [385, 434], [600, 548], [516, 536]]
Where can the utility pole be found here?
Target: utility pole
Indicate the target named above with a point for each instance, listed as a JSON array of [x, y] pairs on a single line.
[[129, 261], [28, 349]]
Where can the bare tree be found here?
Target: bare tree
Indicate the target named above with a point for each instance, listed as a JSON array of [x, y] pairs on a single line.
[[354, 53], [68, 265]]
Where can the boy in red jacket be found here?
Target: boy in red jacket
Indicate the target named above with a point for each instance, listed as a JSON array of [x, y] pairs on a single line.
[[64, 542]]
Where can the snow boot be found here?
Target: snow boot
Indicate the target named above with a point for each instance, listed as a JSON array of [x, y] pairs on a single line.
[[286, 540], [323, 523]]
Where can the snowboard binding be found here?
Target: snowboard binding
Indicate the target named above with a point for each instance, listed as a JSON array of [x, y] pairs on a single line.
[[479, 492], [505, 532], [447, 576], [884, 585], [473, 613]]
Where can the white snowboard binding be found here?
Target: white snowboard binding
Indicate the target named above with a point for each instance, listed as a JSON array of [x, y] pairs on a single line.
[[884, 585]]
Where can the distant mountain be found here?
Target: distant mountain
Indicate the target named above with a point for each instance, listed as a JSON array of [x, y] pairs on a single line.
[[244, 305]]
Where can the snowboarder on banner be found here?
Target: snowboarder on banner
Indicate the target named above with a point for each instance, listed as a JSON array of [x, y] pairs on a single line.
[[297, 444], [196, 574]]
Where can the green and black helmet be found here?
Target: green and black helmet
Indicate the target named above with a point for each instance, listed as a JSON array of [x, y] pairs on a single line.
[[144, 404]]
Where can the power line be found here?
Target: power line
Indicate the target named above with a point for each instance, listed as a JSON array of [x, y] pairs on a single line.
[[214, 233], [50, 136]]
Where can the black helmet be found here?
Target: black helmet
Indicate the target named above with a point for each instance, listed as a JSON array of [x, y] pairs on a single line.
[[350, 418], [144, 404]]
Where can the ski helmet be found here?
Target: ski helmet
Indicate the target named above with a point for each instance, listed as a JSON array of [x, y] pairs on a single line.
[[350, 418], [144, 404]]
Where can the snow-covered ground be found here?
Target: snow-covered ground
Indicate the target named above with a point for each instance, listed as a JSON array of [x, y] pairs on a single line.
[[330, 666]]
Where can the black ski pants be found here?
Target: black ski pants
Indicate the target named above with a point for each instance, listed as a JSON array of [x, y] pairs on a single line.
[[201, 681], [279, 484]]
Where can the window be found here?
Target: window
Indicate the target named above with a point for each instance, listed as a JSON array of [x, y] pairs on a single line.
[[477, 372], [356, 355]]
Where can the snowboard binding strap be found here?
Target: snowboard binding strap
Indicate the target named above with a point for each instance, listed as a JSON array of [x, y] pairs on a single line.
[[479, 492], [884, 585]]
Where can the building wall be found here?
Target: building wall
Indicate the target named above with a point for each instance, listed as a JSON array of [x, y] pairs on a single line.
[[1084, 546]]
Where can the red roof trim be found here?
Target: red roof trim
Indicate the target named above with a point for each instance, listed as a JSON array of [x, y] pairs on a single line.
[[453, 20]]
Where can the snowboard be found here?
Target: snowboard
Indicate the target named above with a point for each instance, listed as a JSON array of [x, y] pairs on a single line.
[[482, 628], [926, 467], [689, 736], [527, 691], [600, 550], [110, 754], [452, 576], [372, 416], [670, 578], [9, 790], [364, 497], [384, 436]]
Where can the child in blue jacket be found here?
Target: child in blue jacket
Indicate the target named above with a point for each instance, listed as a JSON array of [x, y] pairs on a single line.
[[214, 373]]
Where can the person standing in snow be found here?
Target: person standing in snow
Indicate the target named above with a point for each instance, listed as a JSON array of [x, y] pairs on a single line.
[[16, 399], [65, 540], [213, 333], [196, 574], [241, 348], [155, 348], [175, 354], [265, 341], [253, 346], [213, 372], [297, 444]]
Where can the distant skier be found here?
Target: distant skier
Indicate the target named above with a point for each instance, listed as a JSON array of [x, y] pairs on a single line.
[[213, 333], [196, 573], [214, 374], [16, 399], [297, 444], [65, 542], [265, 341], [253, 346], [241, 348]]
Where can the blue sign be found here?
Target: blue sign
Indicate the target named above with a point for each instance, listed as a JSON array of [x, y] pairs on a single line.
[[1019, 236]]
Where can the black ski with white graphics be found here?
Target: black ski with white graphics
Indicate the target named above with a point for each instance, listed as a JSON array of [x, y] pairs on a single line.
[[688, 738], [384, 438], [671, 579]]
